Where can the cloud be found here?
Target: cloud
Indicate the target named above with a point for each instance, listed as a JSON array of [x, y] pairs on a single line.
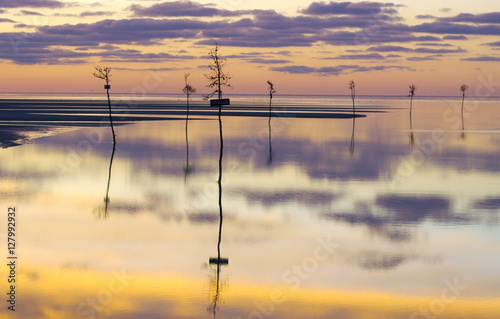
[[392, 48], [336, 70], [352, 24], [268, 61], [425, 58], [492, 17], [426, 16], [370, 56], [95, 13], [2, 20], [445, 10], [180, 9], [441, 27], [31, 13], [455, 37], [31, 4], [349, 8], [483, 59], [493, 44]]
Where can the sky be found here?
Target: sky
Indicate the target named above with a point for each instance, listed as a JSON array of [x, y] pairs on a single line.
[[302, 46]]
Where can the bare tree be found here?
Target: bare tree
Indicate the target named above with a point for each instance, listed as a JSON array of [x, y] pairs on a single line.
[[271, 92], [188, 89], [217, 77], [463, 88], [412, 90], [104, 73], [352, 87]]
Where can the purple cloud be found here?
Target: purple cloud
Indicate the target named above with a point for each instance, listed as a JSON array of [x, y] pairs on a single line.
[[336, 70], [456, 28], [393, 48], [30, 4], [370, 56], [483, 59], [31, 13], [492, 17], [455, 37], [349, 8], [180, 9], [493, 44]]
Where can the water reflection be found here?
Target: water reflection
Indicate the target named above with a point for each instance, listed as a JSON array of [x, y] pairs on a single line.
[[444, 229], [462, 134], [218, 261], [351, 148], [187, 168], [270, 156], [412, 138], [102, 212]]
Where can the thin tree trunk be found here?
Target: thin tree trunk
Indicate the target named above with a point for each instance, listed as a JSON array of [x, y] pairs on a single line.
[[111, 118]]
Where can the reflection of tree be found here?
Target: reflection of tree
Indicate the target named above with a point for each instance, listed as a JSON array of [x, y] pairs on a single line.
[[462, 135], [187, 169], [218, 262], [351, 148], [463, 88], [412, 89], [270, 157], [102, 212], [412, 138], [271, 92]]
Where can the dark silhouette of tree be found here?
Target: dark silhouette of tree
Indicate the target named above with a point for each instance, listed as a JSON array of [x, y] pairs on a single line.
[[463, 88], [271, 92], [412, 90], [352, 87], [188, 90], [217, 77], [104, 73]]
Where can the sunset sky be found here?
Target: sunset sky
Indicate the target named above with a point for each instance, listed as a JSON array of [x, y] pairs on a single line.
[[303, 46]]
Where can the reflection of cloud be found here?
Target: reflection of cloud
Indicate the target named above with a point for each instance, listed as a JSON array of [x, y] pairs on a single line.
[[379, 225], [412, 209], [308, 198], [490, 203], [381, 261], [203, 218]]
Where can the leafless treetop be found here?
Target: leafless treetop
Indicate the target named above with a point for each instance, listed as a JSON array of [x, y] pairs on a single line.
[[103, 73]]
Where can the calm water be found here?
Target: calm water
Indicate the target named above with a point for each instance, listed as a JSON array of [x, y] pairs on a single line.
[[375, 217]]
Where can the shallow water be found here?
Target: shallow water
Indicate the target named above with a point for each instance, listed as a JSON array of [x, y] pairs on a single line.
[[319, 220]]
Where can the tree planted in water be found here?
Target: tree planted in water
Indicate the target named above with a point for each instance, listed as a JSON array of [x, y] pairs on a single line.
[[104, 73]]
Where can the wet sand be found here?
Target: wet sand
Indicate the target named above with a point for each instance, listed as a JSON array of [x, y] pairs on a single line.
[[20, 120]]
